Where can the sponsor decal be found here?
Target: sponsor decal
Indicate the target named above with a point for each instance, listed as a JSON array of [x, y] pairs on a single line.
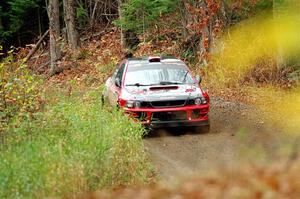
[[138, 91], [190, 90]]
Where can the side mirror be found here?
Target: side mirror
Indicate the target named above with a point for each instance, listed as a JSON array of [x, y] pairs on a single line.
[[198, 78], [118, 82]]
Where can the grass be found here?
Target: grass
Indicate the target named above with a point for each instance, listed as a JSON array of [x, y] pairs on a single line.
[[75, 146]]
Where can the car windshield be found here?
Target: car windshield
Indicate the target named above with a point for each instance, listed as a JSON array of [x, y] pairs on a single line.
[[157, 75]]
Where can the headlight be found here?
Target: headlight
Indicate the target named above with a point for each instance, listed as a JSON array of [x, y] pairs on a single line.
[[204, 101], [200, 100], [130, 104], [137, 104], [133, 104]]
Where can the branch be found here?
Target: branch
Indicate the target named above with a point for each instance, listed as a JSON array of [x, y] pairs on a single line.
[[32, 51]]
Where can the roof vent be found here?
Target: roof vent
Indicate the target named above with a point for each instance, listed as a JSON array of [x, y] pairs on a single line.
[[154, 59]]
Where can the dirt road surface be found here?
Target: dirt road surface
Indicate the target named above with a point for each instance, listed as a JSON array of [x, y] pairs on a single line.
[[240, 134]]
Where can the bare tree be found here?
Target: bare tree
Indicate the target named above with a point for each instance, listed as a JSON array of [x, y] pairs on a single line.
[[120, 16], [54, 31], [69, 17]]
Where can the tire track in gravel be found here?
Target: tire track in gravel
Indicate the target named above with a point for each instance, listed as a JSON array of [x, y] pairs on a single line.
[[238, 135]]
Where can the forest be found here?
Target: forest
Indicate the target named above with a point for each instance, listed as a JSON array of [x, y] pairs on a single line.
[[58, 140]]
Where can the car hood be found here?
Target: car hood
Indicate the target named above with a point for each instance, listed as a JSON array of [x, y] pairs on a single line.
[[162, 92]]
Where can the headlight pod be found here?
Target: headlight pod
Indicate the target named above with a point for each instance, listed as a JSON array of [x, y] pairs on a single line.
[[203, 100], [200, 100], [130, 104], [137, 104], [133, 104]]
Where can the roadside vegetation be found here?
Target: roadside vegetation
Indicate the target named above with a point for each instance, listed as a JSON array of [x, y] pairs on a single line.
[[74, 145], [56, 139], [20, 91], [274, 181]]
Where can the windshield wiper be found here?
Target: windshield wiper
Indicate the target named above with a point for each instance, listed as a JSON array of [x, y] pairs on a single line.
[[169, 83], [175, 82], [160, 83], [185, 75], [137, 84]]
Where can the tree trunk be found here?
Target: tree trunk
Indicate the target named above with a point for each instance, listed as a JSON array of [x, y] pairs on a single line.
[[92, 20], [129, 38], [54, 31], [120, 16], [184, 18], [1, 26], [69, 17]]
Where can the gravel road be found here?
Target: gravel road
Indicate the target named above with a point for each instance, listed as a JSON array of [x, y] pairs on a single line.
[[239, 134]]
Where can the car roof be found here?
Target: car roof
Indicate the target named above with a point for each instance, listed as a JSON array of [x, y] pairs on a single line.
[[152, 61]]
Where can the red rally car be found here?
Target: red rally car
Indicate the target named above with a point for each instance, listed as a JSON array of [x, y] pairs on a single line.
[[158, 92]]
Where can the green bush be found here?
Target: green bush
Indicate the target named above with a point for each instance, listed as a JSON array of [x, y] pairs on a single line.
[[75, 146], [20, 91]]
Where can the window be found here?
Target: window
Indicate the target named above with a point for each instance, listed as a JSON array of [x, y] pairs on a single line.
[[157, 74], [118, 74]]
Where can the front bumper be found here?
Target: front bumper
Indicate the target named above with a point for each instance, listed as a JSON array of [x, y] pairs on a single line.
[[192, 115], [166, 124]]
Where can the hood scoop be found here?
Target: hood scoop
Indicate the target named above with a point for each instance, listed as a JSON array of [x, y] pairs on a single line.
[[157, 88]]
